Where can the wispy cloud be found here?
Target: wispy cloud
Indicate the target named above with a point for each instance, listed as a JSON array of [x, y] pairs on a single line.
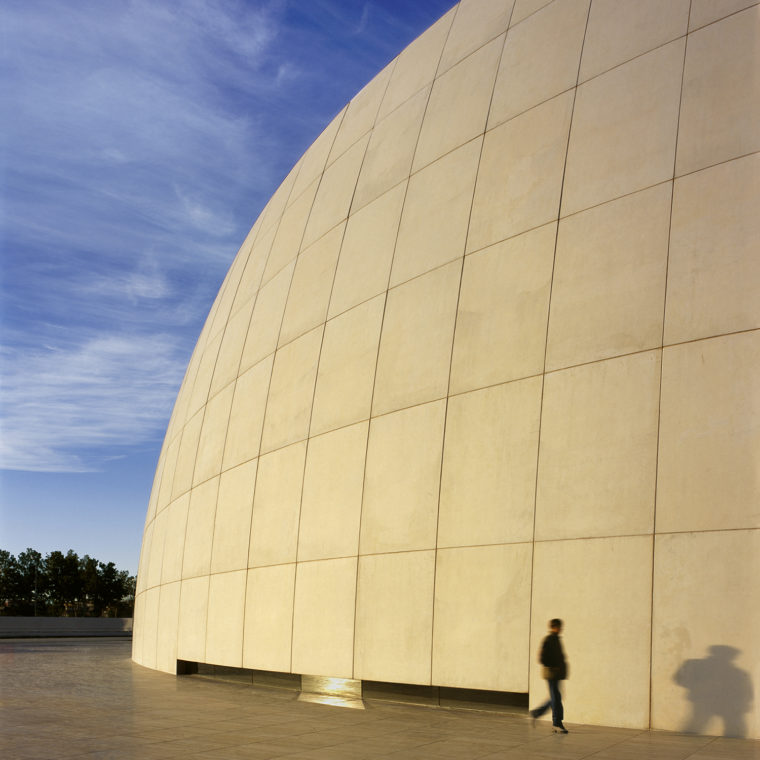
[[71, 409], [362, 25], [126, 175], [140, 139]]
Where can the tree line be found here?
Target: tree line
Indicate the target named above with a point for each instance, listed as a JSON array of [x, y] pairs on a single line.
[[63, 585]]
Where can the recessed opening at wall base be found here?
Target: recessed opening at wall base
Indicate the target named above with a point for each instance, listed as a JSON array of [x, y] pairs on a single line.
[[345, 690], [445, 696], [247, 676]]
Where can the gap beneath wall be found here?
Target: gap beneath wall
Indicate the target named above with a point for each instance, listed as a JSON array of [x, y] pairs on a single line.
[[345, 692]]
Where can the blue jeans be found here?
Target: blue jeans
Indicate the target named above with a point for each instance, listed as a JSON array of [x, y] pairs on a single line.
[[555, 702]]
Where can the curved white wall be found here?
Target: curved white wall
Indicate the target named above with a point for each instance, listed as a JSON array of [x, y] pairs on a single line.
[[489, 356]]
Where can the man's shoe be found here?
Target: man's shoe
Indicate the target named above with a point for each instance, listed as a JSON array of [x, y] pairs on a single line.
[[560, 729], [533, 718]]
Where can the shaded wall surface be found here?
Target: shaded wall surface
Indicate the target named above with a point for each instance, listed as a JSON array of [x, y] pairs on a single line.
[[489, 356]]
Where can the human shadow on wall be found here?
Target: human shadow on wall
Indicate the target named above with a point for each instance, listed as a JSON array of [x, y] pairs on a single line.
[[716, 688]]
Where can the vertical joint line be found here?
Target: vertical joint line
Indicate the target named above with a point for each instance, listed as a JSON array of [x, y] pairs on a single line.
[[662, 361], [546, 336]]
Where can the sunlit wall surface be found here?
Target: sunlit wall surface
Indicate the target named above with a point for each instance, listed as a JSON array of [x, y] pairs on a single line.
[[490, 356]]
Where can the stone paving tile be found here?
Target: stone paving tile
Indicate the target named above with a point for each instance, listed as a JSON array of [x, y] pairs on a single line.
[[729, 749], [85, 699]]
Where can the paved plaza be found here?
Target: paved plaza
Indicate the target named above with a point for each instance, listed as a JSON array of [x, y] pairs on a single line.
[[85, 698]]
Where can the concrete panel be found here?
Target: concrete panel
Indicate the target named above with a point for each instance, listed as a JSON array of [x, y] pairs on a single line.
[[714, 269], [228, 361], [704, 12], [503, 310], [705, 667], [174, 541], [390, 151], [181, 413], [525, 8], [168, 474], [254, 272], [367, 252], [482, 617], [225, 298], [311, 286], [489, 465], [520, 176], [266, 319], [400, 509], [415, 347], [598, 449], [361, 113], [208, 461], [619, 30], [336, 191], [417, 65], [193, 613], [185, 455], [200, 529], [347, 363], [272, 212], [254, 269], [232, 524], [287, 241], [710, 435], [202, 382], [394, 617], [269, 618], [476, 22], [224, 631], [608, 292], [601, 589], [527, 75], [276, 506], [469, 84], [436, 212], [314, 160], [332, 495], [720, 107], [138, 635], [323, 618], [247, 414], [168, 628], [156, 487], [149, 627], [291, 391], [624, 129], [145, 549], [156, 555]]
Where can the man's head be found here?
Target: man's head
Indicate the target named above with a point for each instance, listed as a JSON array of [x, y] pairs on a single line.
[[555, 625]]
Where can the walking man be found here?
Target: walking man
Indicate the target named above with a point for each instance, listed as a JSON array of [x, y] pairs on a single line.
[[555, 670]]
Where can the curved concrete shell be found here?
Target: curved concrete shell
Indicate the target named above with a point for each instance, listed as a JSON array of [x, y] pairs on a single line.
[[490, 356]]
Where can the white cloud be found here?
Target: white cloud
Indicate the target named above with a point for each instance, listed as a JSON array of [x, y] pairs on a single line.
[[104, 395], [200, 216], [146, 134], [362, 25]]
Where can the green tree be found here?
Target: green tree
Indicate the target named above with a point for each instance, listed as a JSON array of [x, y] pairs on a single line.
[[126, 605], [64, 583], [110, 588], [89, 571], [10, 583], [32, 582]]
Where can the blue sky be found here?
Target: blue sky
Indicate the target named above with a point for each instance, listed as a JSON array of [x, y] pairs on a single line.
[[139, 141]]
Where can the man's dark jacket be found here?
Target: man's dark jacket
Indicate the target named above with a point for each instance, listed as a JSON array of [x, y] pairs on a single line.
[[552, 656]]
